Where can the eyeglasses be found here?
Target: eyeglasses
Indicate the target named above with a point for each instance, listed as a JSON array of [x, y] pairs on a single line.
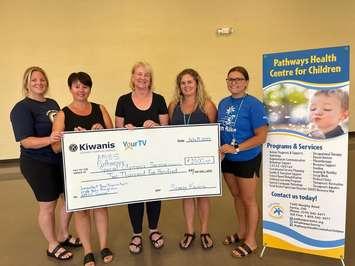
[[234, 80]]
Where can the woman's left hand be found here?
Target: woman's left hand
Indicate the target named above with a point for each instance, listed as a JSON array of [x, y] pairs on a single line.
[[149, 124], [97, 126]]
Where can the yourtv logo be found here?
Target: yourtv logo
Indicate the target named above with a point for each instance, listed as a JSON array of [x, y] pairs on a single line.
[[91, 147], [134, 144]]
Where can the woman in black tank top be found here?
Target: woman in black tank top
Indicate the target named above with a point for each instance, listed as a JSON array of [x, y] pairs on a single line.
[[191, 105], [83, 115]]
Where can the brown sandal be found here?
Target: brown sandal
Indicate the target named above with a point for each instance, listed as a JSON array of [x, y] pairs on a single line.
[[139, 246], [187, 240], [205, 244], [242, 251], [155, 242], [232, 239]]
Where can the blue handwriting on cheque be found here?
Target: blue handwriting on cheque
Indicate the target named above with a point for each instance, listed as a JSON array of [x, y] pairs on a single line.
[[100, 189]]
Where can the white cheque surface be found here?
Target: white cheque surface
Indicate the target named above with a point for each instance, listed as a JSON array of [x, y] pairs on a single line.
[[112, 167]]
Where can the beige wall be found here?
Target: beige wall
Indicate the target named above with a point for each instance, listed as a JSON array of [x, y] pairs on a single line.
[[106, 37]]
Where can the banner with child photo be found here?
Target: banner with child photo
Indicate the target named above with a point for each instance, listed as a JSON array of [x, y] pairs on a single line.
[[306, 94]]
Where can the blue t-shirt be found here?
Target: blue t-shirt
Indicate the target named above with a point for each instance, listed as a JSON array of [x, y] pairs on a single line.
[[31, 118], [238, 118]]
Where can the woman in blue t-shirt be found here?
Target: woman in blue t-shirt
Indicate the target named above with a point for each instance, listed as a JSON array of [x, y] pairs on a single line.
[[243, 125], [31, 120]]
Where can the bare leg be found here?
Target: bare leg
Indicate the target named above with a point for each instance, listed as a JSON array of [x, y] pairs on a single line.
[[101, 222], [203, 205], [233, 186], [64, 220], [46, 221], [188, 206], [83, 228], [248, 196]]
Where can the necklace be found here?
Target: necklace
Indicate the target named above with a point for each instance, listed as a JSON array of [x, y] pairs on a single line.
[[234, 137], [188, 116], [186, 122]]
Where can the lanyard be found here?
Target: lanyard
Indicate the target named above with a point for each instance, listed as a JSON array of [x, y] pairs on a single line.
[[234, 137]]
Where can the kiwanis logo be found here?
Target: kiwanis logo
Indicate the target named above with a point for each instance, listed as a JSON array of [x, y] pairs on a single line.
[[276, 211], [91, 146], [73, 147]]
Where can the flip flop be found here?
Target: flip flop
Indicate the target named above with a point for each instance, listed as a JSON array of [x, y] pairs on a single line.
[[205, 244], [185, 244], [139, 246], [155, 242]]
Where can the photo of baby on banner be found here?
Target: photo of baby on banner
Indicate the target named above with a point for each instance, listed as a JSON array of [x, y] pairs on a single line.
[[314, 112], [329, 113]]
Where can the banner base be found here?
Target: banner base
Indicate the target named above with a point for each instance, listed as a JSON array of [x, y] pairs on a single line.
[[264, 248]]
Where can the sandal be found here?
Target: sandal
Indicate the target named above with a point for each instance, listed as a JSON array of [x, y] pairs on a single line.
[[232, 239], [106, 255], [205, 244], [89, 258], [242, 251], [60, 255], [68, 242], [139, 246], [187, 241], [155, 242]]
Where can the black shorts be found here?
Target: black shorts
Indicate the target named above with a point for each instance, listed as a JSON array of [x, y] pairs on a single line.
[[45, 179], [244, 169]]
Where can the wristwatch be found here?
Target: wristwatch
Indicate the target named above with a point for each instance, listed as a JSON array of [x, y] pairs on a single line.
[[236, 147]]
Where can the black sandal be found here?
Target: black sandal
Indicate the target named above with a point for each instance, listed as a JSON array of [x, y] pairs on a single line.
[[105, 253], [139, 246], [68, 243], [61, 255], [89, 258], [186, 243], [155, 242], [232, 239], [204, 241], [242, 251]]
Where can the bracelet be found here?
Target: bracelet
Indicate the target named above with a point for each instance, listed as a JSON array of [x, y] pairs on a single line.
[[236, 147]]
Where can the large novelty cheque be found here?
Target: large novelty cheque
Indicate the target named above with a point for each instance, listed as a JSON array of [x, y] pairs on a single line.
[[119, 166]]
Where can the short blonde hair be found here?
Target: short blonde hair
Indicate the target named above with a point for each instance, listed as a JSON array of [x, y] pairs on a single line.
[[201, 94], [148, 68], [27, 78]]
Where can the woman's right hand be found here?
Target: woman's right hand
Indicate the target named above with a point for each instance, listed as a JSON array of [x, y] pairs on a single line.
[[55, 136], [227, 148]]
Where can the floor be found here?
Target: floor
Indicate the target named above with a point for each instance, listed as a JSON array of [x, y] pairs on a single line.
[[22, 244]]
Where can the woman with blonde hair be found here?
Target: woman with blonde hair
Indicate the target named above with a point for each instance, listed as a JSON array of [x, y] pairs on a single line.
[[32, 119], [142, 108], [191, 105]]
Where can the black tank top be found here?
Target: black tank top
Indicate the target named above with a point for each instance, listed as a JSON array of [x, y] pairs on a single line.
[[196, 117], [73, 120]]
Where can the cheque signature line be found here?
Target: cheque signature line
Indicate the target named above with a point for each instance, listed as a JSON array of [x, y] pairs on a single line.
[[191, 188], [135, 168], [132, 175]]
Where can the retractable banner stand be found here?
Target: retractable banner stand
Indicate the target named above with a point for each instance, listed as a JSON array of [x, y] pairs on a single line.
[[306, 94]]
